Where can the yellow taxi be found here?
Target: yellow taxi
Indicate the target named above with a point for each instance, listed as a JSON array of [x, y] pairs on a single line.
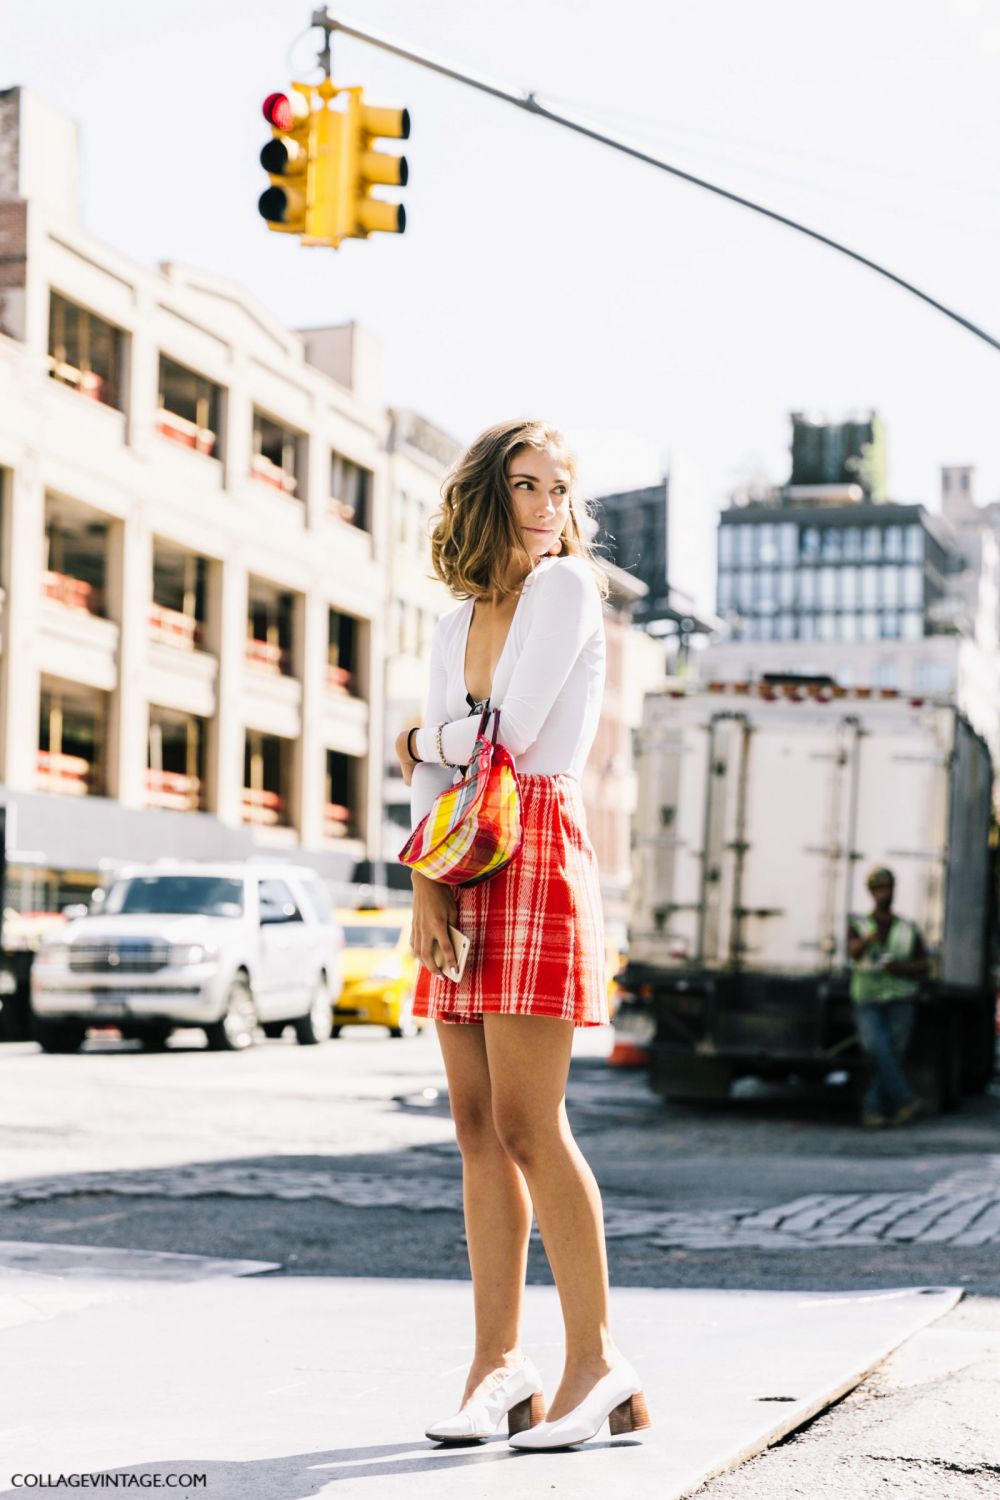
[[378, 969]]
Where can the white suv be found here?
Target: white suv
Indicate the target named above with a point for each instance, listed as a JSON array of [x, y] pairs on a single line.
[[221, 946]]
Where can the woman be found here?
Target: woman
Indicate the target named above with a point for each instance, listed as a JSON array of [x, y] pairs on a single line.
[[528, 637]]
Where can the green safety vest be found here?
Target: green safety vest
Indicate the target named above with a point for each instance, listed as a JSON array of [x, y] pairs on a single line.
[[869, 981]]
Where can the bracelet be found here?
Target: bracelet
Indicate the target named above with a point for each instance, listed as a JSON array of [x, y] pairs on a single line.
[[409, 748], [451, 765]]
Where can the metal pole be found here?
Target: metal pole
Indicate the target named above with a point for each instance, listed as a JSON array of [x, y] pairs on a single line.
[[529, 102]]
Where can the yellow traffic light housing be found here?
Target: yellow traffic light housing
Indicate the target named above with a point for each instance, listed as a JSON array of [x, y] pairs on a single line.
[[287, 159], [366, 124]]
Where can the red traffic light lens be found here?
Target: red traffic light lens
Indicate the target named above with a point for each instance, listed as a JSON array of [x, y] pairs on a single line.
[[278, 111]]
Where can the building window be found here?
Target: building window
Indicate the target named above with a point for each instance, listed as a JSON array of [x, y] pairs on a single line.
[[724, 592], [342, 653], [831, 543], [852, 544], [786, 588], [913, 586], [350, 492], [807, 627], [869, 626], [873, 543], [267, 777], [788, 543], [270, 628], [886, 673], [869, 586], [71, 740], [807, 589], [810, 542], [914, 544], [894, 543], [177, 614], [785, 627], [890, 625], [764, 628], [890, 586], [767, 547], [85, 352], [277, 459], [175, 763], [188, 407], [827, 626], [828, 587], [76, 555], [744, 590], [849, 587], [340, 809], [934, 677], [745, 534], [849, 627], [727, 547], [912, 625]]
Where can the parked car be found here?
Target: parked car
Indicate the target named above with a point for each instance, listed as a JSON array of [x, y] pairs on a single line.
[[379, 971], [221, 946]]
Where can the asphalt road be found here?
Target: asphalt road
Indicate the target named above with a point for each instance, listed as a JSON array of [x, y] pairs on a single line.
[[340, 1160]]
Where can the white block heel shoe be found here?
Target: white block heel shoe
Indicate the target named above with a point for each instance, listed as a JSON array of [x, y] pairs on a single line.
[[617, 1398], [514, 1394]]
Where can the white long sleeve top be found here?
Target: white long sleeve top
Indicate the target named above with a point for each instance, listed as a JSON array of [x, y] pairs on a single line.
[[548, 682]]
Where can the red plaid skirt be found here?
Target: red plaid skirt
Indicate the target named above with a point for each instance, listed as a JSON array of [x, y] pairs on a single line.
[[536, 929]]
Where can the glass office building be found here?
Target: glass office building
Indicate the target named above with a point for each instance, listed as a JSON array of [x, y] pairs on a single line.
[[852, 572]]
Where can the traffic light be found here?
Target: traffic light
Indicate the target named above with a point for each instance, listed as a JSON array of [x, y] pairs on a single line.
[[323, 166], [366, 123], [287, 159], [347, 168]]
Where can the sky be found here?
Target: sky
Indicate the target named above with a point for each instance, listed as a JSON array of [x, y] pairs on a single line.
[[540, 274]]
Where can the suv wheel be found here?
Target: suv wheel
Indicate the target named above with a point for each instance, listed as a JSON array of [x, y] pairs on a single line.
[[235, 1032], [60, 1036], [317, 1023]]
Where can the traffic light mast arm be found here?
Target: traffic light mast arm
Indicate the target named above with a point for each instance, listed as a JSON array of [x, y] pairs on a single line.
[[530, 103]]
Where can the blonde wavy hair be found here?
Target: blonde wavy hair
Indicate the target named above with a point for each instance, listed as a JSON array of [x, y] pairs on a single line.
[[475, 531]]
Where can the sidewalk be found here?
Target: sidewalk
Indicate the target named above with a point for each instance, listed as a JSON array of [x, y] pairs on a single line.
[[280, 1388]]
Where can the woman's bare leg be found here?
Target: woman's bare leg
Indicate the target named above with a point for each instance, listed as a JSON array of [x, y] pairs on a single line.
[[528, 1064], [497, 1206]]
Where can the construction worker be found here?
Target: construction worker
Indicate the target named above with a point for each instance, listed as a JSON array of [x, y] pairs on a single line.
[[888, 960]]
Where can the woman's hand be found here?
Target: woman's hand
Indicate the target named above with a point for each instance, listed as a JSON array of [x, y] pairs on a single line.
[[434, 908], [405, 759]]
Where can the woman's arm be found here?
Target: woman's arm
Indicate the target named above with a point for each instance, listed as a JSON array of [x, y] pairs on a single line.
[[430, 777], [565, 612]]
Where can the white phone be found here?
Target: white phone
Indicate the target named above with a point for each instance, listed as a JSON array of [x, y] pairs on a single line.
[[462, 945]]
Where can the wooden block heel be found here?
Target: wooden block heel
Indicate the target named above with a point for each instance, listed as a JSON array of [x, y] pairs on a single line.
[[630, 1416], [526, 1414]]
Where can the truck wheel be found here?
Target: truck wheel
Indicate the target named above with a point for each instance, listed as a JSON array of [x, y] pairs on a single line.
[[936, 1067], [690, 1079], [155, 1038], [60, 1036], [235, 1032], [274, 1029], [317, 1023], [978, 1045]]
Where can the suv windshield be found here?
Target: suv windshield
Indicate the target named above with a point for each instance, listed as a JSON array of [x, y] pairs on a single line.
[[176, 895]]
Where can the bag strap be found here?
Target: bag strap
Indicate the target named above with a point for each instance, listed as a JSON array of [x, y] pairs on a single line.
[[496, 724]]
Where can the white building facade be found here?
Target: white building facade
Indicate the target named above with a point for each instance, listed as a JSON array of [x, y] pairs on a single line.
[[193, 554]]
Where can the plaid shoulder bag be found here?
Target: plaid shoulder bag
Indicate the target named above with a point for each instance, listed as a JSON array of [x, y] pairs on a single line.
[[473, 828]]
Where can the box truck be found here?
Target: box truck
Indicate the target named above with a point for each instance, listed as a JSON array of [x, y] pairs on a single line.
[[760, 809]]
